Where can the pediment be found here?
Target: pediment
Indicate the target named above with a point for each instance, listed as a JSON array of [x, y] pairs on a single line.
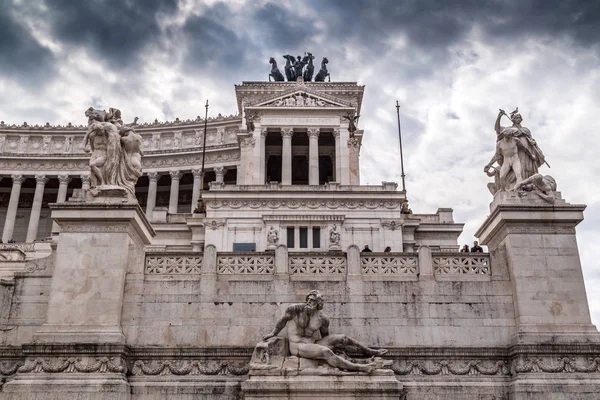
[[301, 98]]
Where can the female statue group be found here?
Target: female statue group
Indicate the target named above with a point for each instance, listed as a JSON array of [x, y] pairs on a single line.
[[116, 150], [518, 158]]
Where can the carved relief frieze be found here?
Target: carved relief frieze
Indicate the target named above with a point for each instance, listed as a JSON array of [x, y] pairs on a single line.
[[72, 365], [181, 368], [309, 204]]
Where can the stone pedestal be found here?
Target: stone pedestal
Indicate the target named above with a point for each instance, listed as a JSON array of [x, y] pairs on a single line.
[[536, 242], [350, 387], [102, 234]]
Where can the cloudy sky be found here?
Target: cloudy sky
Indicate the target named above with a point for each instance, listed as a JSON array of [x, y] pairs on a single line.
[[451, 65]]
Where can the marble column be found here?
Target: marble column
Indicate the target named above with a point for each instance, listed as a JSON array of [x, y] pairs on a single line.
[[152, 188], [63, 186], [313, 156], [13, 205], [85, 182], [336, 135], [196, 188], [36, 208], [220, 174], [174, 198], [286, 156], [263, 156]]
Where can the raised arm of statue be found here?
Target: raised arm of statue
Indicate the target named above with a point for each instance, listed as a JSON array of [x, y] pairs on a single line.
[[87, 145], [497, 126]]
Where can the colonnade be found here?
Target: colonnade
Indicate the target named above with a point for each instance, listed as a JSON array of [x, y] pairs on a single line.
[[41, 180], [286, 154]]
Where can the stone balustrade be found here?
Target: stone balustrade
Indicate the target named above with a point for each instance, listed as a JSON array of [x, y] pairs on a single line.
[[399, 266], [322, 266], [242, 263], [462, 266]]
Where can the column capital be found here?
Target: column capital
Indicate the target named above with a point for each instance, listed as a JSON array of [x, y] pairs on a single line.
[[17, 178], [313, 133], [247, 142], [287, 132], [85, 179], [336, 133], [263, 132], [153, 176], [41, 179], [354, 142], [175, 175], [197, 173], [64, 179]]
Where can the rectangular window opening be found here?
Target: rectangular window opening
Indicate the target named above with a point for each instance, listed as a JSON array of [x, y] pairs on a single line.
[[303, 237], [290, 237], [316, 231]]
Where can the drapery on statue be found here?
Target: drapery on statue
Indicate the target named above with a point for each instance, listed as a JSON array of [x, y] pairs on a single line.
[[352, 121], [308, 336], [517, 154], [298, 66], [116, 150]]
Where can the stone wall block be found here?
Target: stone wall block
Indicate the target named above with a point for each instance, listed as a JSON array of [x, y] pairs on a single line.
[[209, 264]]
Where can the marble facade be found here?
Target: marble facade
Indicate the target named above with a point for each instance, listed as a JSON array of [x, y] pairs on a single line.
[[151, 301]]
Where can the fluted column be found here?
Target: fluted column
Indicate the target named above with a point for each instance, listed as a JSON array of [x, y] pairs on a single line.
[[152, 188], [63, 186], [313, 156], [336, 135], [196, 188], [220, 174], [174, 198], [286, 156], [36, 208], [13, 205], [85, 182], [263, 156]]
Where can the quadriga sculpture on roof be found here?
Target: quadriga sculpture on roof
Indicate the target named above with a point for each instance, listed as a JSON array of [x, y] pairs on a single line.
[[116, 150]]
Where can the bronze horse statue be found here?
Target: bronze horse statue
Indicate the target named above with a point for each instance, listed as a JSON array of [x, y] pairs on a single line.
[[310, 68], [275, 72], [289, 68], [323, 71]]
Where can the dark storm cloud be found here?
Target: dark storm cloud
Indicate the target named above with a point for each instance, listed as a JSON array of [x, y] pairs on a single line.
[[22, 57], [211, 43], [282, 29], [117, 30]]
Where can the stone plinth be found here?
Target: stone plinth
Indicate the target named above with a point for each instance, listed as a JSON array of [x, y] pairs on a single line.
[[349, 387], [536, 242], [102, 235]]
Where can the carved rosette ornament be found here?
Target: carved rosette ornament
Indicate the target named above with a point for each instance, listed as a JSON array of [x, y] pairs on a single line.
[[247, 142]]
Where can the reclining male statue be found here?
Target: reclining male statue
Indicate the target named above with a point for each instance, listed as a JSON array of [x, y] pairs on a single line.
[[308, 335]]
